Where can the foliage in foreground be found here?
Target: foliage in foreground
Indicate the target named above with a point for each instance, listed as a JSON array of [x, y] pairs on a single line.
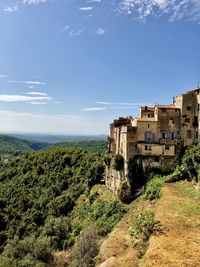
[[188, 169], [142, 225], [47, 199], [85, 250], [153, 188]]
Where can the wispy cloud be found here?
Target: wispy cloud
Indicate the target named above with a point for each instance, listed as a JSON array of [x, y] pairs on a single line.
[[68, 30], [28, 82], [176, 9], [36, 93], [94, 1], [15, 7], [121, 103], [33, 2], [105, 105], [86, 8], [3, 76], [37, 103], [93, 109], [11, 9], [24, 98], [100, 31]]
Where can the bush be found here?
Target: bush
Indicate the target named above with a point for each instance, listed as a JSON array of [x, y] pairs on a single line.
[[30, 252], [189, 168], [85, 250], [142, 225], [153, 188]]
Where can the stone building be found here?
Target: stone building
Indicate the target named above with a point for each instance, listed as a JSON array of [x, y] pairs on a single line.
[[154, 139]]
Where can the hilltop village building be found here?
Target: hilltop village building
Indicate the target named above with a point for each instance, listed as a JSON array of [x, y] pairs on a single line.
[[155, 138]]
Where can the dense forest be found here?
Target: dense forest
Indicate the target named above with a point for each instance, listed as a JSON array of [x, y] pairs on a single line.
[[46, 199], [98, 146]]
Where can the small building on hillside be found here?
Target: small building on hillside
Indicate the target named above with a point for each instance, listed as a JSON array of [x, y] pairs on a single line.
[[153, 140]]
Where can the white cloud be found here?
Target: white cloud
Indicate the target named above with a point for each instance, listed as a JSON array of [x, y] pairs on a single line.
[[176, 9], [93, 109], [70, 32], [3, 76], [86, 8], [100, 31], [28, 82], [121, 103], [37, 103], [93, 1], [23, 98], [11, 9], [36, 93], [33, 2]]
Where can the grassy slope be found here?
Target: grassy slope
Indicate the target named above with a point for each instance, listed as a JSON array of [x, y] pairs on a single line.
[[175, 240]]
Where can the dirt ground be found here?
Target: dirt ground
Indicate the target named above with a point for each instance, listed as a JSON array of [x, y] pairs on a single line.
[[176, 238], [116, 250], [176, 241]]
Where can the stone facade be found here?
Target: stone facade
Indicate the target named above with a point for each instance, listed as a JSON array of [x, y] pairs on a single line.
[[155, 138]]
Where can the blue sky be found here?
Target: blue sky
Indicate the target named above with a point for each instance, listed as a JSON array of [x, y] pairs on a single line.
[[71, 67]]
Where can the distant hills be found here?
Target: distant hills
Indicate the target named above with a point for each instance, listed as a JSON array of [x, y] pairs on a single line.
[[50, 138], [13, 146]]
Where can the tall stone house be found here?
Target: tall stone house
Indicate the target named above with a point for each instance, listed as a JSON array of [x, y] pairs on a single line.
[[155, 138]]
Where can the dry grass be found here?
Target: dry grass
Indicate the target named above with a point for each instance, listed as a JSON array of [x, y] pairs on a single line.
[[177, 239]]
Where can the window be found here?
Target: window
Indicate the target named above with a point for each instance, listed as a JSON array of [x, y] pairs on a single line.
[[149, 147], [146, 147], [197, 135], [189, 134], [149, 115], [195, 122], [166, 147], [163, 135], [172, 136], [148, 126], [187, 120], [189, 108]]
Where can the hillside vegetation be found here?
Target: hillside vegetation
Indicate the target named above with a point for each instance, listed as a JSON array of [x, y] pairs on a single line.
[[98, 146], [12, 146], [47, 199], [162, 226]]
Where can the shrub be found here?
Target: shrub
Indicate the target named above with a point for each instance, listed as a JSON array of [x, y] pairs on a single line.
[[30, 252], [142, 225], [85, 250], [153, 188], [189, 168]]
